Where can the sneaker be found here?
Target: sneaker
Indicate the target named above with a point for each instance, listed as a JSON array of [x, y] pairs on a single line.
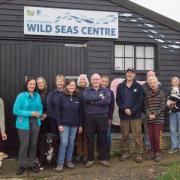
[[125, 156], [70, 165], [105, 163], [173, 150], [59, 168], [157, 157], [20, 171], [34, 169], [139, 159], [89, 164]]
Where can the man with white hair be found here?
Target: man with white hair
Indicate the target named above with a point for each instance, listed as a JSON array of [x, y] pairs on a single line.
[[97, 101], [155, 104]]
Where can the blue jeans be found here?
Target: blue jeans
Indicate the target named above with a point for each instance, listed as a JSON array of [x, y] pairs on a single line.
[[175, 129], [66, 147]]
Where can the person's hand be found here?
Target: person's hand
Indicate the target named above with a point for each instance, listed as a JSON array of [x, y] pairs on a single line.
[[4, 136], [36, 114], [109, 122], [80, 130], [128, 112], [173, 105], [61, 128], [152, 117], [43, 117]]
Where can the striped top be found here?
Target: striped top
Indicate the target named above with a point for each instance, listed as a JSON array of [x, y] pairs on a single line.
[[155, 103]]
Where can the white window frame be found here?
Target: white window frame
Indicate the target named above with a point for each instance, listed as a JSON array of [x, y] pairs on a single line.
[[122, 57]]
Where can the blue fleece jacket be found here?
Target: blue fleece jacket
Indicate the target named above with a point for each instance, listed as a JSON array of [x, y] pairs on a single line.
[[135, 100], [95, 105], [69, 111]]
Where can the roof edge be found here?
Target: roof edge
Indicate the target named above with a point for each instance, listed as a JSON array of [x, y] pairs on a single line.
[[148, 13]]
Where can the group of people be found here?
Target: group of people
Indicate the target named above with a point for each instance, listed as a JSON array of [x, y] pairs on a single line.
[[83, 112]]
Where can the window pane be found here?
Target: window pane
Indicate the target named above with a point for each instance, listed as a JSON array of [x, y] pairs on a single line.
[[129, 51], [149, 65], [119, 63], [119, 51], [140, 64], [149, 52], [139, 51], [129, 62]]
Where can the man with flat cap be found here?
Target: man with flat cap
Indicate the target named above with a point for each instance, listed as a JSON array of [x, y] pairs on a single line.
[[129, 99]]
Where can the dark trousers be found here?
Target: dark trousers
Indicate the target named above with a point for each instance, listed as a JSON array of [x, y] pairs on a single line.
[[28, 144], [53, 128], [155, 136], [93, 126], [81, 144]]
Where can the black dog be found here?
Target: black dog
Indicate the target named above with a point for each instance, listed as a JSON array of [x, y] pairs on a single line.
[[48, 149]]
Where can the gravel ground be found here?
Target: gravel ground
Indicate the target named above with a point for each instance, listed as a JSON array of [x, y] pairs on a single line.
[[128, 170]]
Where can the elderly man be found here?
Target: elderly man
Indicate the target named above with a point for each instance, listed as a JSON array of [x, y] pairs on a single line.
[[155, 103], [129, 99], [97, 101]]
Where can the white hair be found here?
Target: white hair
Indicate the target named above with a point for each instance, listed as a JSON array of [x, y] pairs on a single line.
[[151, 79], [79, 78]]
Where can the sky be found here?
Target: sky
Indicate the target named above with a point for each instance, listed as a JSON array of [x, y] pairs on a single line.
[[168, 8]]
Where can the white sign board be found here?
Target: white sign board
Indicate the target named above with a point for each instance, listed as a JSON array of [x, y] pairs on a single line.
[[71, 23]]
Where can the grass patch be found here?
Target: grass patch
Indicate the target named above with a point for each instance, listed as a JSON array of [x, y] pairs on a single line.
[[172, 173]]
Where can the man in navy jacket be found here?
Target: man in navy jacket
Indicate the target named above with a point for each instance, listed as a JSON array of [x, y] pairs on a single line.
[[97, 101], [129, 99]]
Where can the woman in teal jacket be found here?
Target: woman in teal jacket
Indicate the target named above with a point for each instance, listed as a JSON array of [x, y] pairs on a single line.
[[28, 109]]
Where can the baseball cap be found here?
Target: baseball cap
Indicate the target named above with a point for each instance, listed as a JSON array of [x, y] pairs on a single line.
[[131, 69]]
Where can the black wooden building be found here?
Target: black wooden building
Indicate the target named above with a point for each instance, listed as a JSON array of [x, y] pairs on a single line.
[[146, 41]]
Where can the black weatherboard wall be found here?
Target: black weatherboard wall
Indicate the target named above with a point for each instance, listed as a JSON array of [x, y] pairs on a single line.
[[24, 55]]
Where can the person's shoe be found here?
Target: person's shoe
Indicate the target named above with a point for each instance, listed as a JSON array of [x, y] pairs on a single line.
[[124, 157], [151, 156], [34, 169], [78, 158], [157, 157], [70, 165], [173, 150], [139, 159], [89, 164], [20, 171], [59, 168], [105, 163]]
